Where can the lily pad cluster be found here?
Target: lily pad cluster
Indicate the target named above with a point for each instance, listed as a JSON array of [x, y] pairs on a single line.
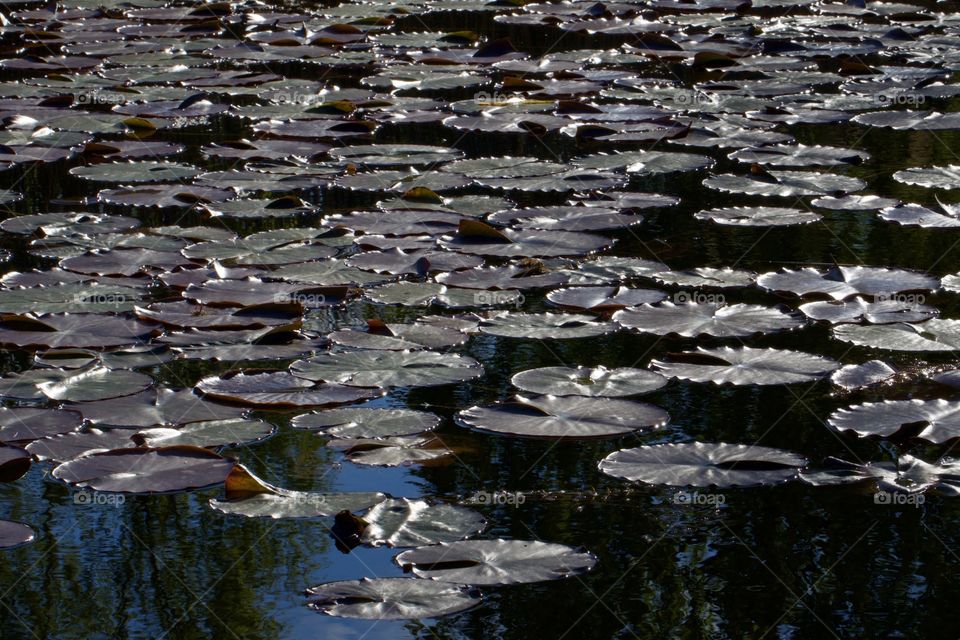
[[262, 204]]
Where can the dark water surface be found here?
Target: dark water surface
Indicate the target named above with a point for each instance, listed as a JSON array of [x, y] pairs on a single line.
[[790, 561]]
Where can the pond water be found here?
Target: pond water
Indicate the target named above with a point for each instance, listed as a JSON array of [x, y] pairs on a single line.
[[784, 559]]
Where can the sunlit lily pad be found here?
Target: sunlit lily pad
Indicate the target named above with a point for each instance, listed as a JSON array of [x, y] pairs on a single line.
[[366, 423], [564, 417], [491, 562], [388, 368], [146, 470], [401, 522], [586, 381], [556, 326], [279, 389], [933, 335], [758, 216], [248, 495], [745, 366], [704, 464], [694, 319], [391, 598], [936, 421]]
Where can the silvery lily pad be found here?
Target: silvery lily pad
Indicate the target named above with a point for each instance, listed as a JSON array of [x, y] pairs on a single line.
[[133, 172], [786, 183], [98, 383], [391, 598], [564, 417], [933, 335], [146, 470], [279, 389], [603, 298], [860, 310], [704, 464], [907, 474], [758, 216], [248, 495], [491, 562], [557, 326], [858, 376], [401, 522], [388, 368], [597, 382], [25, 424], [936, 421], [707, 277], [935, 177], [842, 282], [798, 155], [367, 423], [746, 365], [694, 319]]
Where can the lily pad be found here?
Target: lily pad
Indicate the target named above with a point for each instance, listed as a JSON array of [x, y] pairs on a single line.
[[391, 598], [401, 522], [694, 319], [557, 326], [936, 421], [492, 562], [146, 470], [704, 464], [388, 368], [248, 495], [564, 417], [366, 423], [597, 382], [745, 366]]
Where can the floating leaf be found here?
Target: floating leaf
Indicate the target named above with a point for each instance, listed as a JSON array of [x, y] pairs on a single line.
[[400, 522], [704, 464], [491, 562], [389, 369], [98, 383], [858, 376], [279, 389], [694, 319], [585, 381], [746, 365], [25, 424], [558, 326], [932, 335], [391, 598], [366, 423], [248, 495], [564, 417], [14, 462], [146, 470], [936, 421], [758, 216]]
